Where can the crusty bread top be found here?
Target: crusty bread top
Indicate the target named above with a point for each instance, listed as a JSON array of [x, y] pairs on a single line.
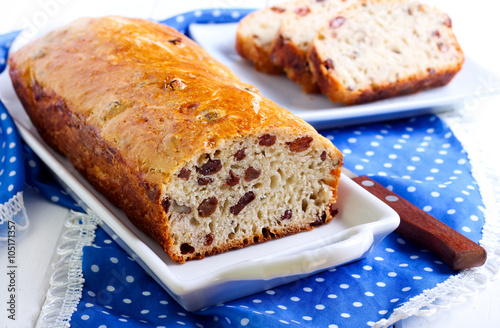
[[165, 90]]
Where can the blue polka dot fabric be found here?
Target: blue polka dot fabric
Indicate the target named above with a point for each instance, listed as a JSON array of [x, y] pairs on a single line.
[[206, 16], [417, 158], [41, 179], [11, 159], [11, 171]]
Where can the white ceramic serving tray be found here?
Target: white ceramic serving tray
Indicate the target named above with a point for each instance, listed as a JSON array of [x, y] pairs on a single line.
[[362, 222], [473, 81]]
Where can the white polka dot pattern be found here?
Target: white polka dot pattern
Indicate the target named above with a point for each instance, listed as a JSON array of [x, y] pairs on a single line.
[[12, 171]]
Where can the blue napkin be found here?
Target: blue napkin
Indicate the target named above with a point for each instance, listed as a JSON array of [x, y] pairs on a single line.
[[418, 158]]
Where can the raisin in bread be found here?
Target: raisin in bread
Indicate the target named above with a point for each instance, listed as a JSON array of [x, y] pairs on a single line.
[[200, 162], [256, 33], [297, 30], [384, 49]]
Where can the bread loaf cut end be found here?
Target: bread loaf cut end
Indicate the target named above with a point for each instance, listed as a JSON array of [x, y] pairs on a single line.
[[251, 190]]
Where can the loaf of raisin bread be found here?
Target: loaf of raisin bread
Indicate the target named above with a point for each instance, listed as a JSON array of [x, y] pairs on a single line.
[[256, 33], [295, 34], [382, 49], [195, 158]]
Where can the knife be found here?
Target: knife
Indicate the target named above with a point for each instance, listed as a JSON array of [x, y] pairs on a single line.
[[456, 250]]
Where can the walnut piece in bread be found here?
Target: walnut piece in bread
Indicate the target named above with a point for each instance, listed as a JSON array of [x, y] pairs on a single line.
[[383, 49], [196, 159]]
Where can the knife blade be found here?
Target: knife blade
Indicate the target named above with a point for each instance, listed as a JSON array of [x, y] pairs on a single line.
[[418, 226]]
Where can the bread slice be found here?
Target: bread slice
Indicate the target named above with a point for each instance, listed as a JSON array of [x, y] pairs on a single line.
[[196, 159], [256, 33], [384, 49], [297, 30]]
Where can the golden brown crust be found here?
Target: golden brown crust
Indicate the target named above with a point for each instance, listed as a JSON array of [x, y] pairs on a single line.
[[337, 92], [152, 92], [92, 156], [294, 62], [129, 101]]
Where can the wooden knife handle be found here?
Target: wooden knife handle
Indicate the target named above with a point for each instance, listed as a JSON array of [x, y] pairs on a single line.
[[458, 251]]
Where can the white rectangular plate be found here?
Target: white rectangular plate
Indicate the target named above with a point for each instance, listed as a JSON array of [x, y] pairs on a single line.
[[362, 222], [219, 40]]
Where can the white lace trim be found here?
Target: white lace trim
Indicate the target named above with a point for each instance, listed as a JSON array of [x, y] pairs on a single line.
[[468, 282], [14, 210], [66, 283]]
